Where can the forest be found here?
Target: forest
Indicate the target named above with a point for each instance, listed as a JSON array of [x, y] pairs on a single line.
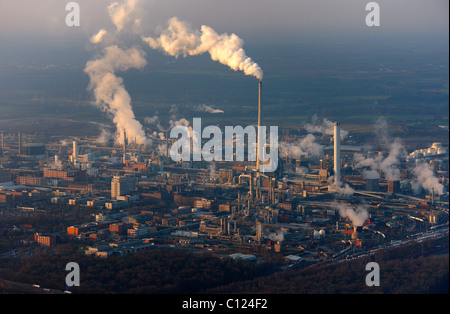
[[160, 271], [411, 269]]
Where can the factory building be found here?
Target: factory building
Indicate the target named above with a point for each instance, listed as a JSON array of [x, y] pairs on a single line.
[[121, 186], [66, 175], [5, 175], [33, 150], [46, 240], [393, 186]]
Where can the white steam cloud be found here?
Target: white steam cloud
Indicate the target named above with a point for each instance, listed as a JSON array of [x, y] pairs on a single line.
[[276, 236], [179, 39], [387, 165], [208, 109], [340, 187], [326, 127], [426, 177], [110, 93], [357, 215], [123, 13], [104, 137], [306, 147], [97, 38]]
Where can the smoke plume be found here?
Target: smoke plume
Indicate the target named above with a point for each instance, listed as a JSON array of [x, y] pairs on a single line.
[[306, 147], [97, 38], [123, 13], [104, 137], [371, 174], [110, 93], [357, 215], [426, 177], [387, 165], [340, 187], [326, 127], [179, 39], [208, 109], [276, 236]]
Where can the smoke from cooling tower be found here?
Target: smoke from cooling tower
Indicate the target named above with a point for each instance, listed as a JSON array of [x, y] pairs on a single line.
[[371, 174], [340, 187], [276, 236], [104, 137], [110, 93], [387, 165], [305, 147], [426, 177], [179, 39], [357, 215]]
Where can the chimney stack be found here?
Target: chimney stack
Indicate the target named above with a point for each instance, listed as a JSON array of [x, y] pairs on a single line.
[[75, 154], [124, 147], [259, 125], [337, 153]]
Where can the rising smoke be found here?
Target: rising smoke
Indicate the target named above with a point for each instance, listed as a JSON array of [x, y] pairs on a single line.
[[304, 147], [277, 236], [110, 93], [387, 165], [357, 215], [426, 177], [208, 109], [326, 127], [179, 39], [125, 13]]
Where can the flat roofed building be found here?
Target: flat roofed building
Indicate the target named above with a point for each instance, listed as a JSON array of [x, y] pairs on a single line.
[[122, 186]]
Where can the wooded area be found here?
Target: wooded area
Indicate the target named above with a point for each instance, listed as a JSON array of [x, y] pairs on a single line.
[[411, 269]]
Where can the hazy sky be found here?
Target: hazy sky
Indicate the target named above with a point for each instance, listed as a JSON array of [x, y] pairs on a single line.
[[260, 18]]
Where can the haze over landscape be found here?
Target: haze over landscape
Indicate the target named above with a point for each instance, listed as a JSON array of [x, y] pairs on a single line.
[[358, 164], [317, 57]]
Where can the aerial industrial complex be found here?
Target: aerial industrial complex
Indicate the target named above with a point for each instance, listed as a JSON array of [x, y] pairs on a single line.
[[336, 201]]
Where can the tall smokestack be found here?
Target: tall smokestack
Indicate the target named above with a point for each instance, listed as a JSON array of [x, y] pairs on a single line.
[[124, 147], [259, 125], [75, 153], [337, 153]]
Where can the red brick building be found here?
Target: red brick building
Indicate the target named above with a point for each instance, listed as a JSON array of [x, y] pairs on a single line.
[[47, 240]]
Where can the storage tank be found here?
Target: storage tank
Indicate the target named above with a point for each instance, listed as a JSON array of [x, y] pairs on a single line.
[[316, 234], [436, 145]]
